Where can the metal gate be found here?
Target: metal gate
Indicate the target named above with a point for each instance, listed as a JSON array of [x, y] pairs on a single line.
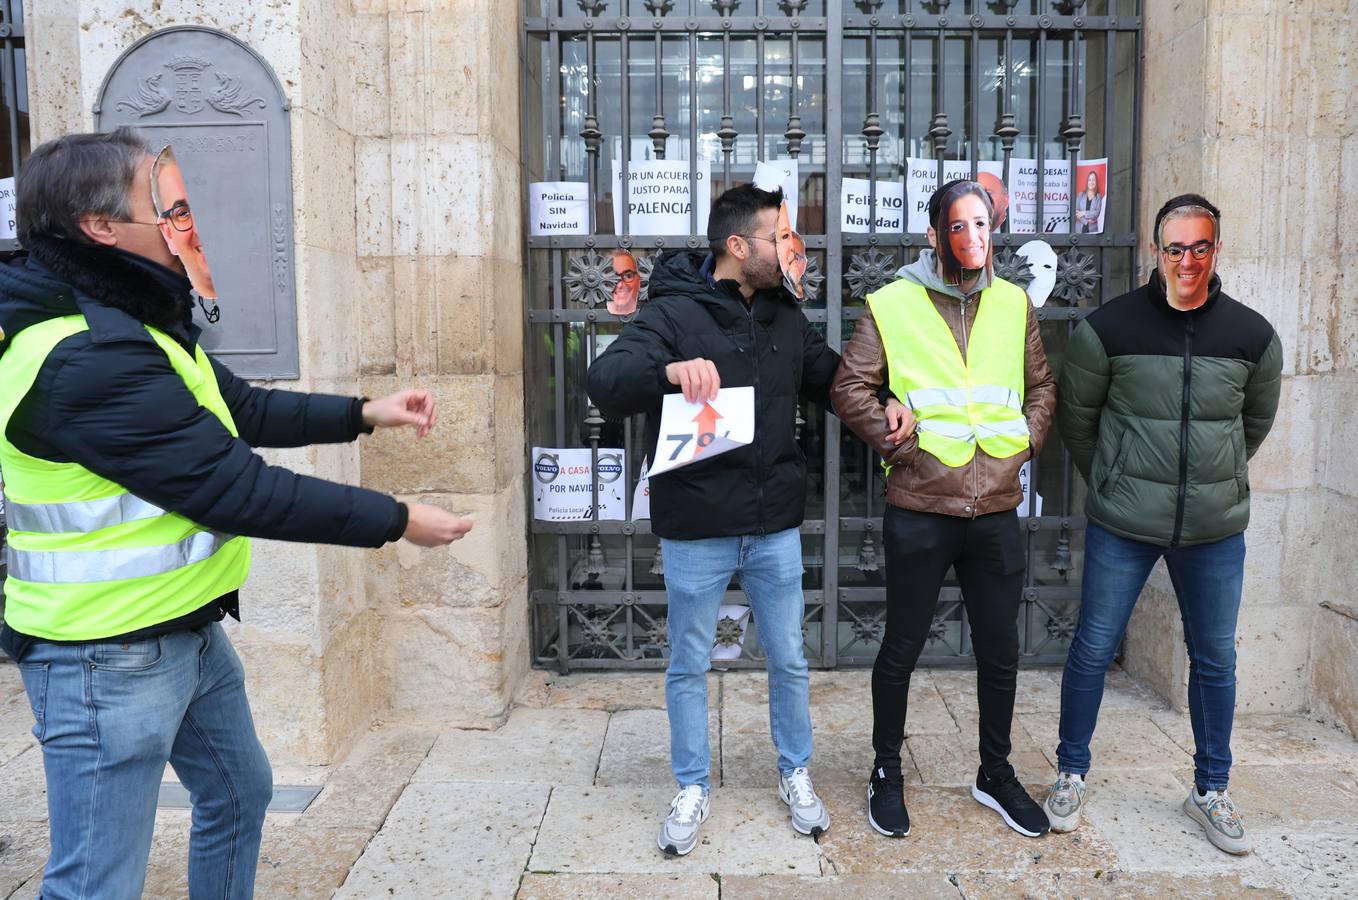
[[849, 90]]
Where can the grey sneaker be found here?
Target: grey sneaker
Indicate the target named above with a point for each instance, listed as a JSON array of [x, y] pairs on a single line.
[[1063, 804], [1220, 820], [688, 811], [809, 815]]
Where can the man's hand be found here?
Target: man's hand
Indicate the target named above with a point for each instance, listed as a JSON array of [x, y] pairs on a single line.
[[408, 407], [697, 378], [900, 421], [430, 526]]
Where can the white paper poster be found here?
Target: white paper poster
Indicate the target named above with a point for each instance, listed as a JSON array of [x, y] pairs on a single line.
[[690, 432], [659, 199], [561, 484], [7, 218], [923, 181], [641, 496], [1023, 196], [780, 173], [1025, 480], [558, 207], [855, 199]]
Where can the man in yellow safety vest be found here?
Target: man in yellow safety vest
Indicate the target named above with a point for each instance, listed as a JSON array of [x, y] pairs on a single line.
[[131, 490]]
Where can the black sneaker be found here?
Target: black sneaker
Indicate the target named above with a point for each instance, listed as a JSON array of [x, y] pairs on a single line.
[[886, 803], [1008, 798]]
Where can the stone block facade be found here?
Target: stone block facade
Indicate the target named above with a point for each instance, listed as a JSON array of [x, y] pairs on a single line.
[[405, 139]]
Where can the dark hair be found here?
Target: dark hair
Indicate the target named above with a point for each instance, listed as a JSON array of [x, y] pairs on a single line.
[[734, 213], [76, 175], [1187, 205], [940, 203]]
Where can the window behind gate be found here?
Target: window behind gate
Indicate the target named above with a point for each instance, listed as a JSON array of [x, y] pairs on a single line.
[[871, 100]]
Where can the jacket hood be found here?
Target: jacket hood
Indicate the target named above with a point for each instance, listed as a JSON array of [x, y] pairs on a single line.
[[688, 273], [60, 277], [924, 272]]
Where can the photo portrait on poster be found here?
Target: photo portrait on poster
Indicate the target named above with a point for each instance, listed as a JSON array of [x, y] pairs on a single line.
[[1091, 180], [175, 218]]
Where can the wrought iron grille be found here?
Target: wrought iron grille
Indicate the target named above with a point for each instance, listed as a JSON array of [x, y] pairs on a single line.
[[849, 90]]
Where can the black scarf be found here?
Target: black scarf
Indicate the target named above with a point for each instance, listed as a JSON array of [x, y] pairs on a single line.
[[145, 290]]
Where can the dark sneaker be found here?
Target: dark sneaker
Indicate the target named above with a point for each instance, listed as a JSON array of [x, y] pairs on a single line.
[[886, 804], [1008, 798]]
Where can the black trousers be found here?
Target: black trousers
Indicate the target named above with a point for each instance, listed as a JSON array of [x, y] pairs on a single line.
[[988, 554]]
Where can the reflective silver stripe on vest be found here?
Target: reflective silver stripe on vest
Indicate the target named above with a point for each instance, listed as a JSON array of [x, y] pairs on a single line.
[[82, 516], [88, 566], [981, 393], [1012, 428], [936, 397], [999, 396], [958, 431]]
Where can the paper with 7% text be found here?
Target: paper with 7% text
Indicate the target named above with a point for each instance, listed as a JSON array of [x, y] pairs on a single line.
[[691, 432]]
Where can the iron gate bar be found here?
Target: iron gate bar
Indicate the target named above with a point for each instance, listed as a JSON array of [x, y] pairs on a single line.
[[602, 611]]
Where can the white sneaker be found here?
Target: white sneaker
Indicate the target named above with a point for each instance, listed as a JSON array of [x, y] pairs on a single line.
[[1220, 820], [688, 811], [1065, 801], [809, 815]]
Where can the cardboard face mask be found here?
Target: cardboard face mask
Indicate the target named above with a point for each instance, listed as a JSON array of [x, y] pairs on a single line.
[[177, 226], [999, 197], [623, 302], [791, 254]]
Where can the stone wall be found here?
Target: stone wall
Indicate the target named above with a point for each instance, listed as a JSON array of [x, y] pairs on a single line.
[[1252, 103], [406, 191]]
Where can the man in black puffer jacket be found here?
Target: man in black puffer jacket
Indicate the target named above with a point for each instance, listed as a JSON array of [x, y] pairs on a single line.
[[724, 320], [1164, 396]]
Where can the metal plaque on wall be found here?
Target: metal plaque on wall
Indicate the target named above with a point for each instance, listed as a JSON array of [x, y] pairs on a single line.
[[222, 109]]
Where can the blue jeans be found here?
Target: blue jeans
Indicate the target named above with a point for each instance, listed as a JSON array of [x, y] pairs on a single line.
[[696, 576], [109, 716], [1207, 581]]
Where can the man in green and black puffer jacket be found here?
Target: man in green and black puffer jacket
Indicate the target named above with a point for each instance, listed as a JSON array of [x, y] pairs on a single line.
[[1165, 394]]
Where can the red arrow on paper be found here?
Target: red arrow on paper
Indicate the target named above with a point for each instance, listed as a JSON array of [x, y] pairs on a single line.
[[707, 425]]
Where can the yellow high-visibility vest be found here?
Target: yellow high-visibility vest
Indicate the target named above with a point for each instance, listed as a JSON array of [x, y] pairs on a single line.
[[86, 558], [960, 404]]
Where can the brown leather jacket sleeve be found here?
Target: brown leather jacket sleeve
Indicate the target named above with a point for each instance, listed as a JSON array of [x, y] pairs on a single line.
[[1039, 385], [854, 394]]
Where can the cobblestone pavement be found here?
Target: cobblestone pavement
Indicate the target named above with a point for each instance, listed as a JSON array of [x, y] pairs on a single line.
[[564, 800]]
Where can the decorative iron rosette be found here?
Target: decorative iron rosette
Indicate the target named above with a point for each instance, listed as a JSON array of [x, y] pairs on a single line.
[[645, 266], [1013, 268], [1061, 628], [869, 271], [590, 279], [658, 634], [1077, 276], [868, 630], [938, 629], [596, 631], [728, 631], [813, 279]]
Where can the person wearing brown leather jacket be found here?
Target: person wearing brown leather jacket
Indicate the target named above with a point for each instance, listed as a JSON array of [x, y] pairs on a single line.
[[941, 516]]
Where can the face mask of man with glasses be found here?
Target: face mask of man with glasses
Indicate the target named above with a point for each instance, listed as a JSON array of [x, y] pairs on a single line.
[[1186, 253]]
